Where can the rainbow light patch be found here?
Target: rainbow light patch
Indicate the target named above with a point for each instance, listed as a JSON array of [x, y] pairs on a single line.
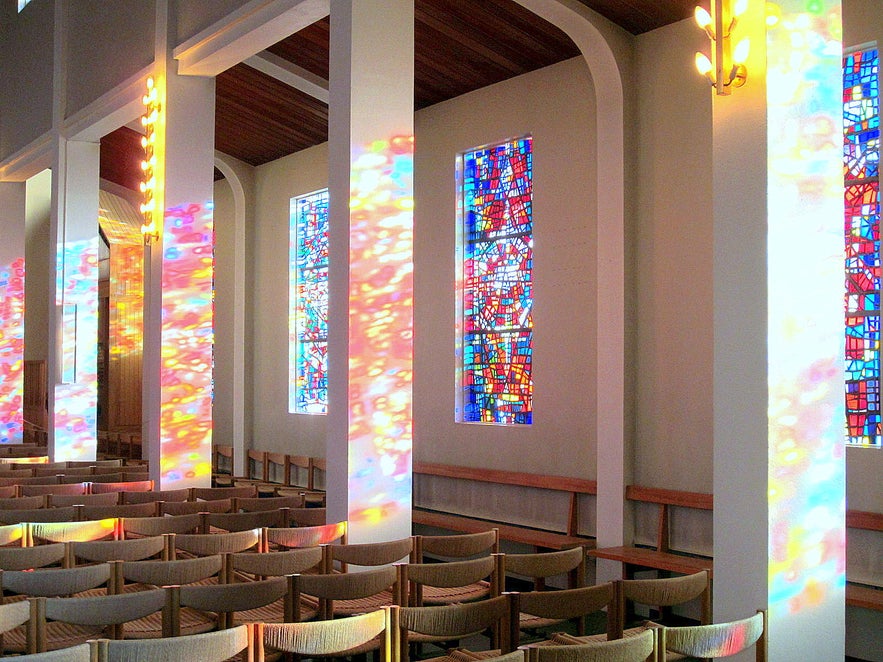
[[12, 347]]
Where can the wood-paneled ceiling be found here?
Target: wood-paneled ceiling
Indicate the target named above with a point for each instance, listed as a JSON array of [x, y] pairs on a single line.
[[460, 46]]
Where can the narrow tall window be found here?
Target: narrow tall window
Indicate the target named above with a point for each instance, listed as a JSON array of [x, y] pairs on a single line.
[[308, 304], [497, 280], [861, 150]]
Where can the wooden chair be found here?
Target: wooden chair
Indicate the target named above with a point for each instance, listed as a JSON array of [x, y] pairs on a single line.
[[192, 507], [338, 638], [248, 567], [638, 648], [129, 510], [64, 622], [103, 551], [662, 593], [208, 647], [278, 472], [156, 495], [156, 526], [304, 536], [78, 488], [447, 583], [219, 604], [546, 608], [446, 624], [222, 462], [132, 483], [538, 568], [253, 504], [341, 557], [30, 558], [213, 493], [354, 588], [66, 514], [209, 544], [715, 640], [258, 519], [307, 516], [455, 546]]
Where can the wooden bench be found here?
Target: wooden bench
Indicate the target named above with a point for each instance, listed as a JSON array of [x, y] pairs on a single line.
[[538, 538], [862, 595], [635, 558]]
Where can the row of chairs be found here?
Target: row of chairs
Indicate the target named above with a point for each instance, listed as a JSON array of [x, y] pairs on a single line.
[[392, 629], [271, 472]]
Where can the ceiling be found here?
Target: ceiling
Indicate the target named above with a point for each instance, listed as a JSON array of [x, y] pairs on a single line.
[[459, 47]]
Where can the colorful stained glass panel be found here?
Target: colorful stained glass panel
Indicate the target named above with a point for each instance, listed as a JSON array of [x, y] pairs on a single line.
[[497, 322], [861, 153], [308, 311]]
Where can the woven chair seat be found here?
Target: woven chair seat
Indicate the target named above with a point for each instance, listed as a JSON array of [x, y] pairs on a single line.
[[361, 605], [275, 611], [434, 595], [463, 655], [531, 622]]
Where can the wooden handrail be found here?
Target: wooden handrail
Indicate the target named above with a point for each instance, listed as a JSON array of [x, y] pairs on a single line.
[[542, 481]]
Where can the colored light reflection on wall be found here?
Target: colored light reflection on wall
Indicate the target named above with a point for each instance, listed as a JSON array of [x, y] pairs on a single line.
[[381, 332], [12, 345], [76, 389], [805, 197], [187, 337]]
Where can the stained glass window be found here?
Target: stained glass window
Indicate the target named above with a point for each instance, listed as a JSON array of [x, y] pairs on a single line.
[[308, 307], [497, 279], [861, 158]]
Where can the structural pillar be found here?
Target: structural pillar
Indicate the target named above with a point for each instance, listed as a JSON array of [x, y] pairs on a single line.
[[179, 264], [12, 301], [371, 129], [73, 327], [778, 330]]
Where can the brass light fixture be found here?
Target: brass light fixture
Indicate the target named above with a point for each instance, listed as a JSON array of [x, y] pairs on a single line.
[[726, 68], [149, 227]]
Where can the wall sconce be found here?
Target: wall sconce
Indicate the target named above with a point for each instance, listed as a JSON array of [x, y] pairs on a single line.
[[726, 69], [149, 228]]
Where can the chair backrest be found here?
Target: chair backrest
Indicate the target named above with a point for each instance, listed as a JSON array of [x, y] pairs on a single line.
[[61, 500], [208, 544], [306, 536], [307, 516], [66, 514], [369, 554], [102, 551], [67, 471], [272, 564], [299, 470], [222, 459], [115, 462], [25, 558], [256, 464], [136, 485], [636, 648], [192, 507], [452, 622], [340, 586], [277, 468], [253, 504], [155, 526], [22, 503], [156, 495], [8, 491], [168, 573], [73, 531], [79, 653], [243, 521], [665, 592], [207, 647], [225, 599], [13, 614], [565, 605], [325, 638], [130, 510], [542, 565], [717, 639], [458, 545], [70, 488], [14, 535], [213, 493], [51, 582], [453, 574]]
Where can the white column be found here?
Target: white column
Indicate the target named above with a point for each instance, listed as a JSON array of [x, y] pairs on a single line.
[[12, 301], [370, 279], [73, 315], [178, 315]]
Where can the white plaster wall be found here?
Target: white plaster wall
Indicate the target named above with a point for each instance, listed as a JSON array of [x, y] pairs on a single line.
[[555, 105], [93, 35], [26, 45], [673, 264], [192, 16], [222, 409], [37, 262]]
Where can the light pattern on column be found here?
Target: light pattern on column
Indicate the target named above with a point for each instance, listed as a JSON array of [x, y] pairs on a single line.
[[805, 333], [381, 331], [308, 304], [861, 151], [12, 305], [76, 391], [187, 337], [497, 337]]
